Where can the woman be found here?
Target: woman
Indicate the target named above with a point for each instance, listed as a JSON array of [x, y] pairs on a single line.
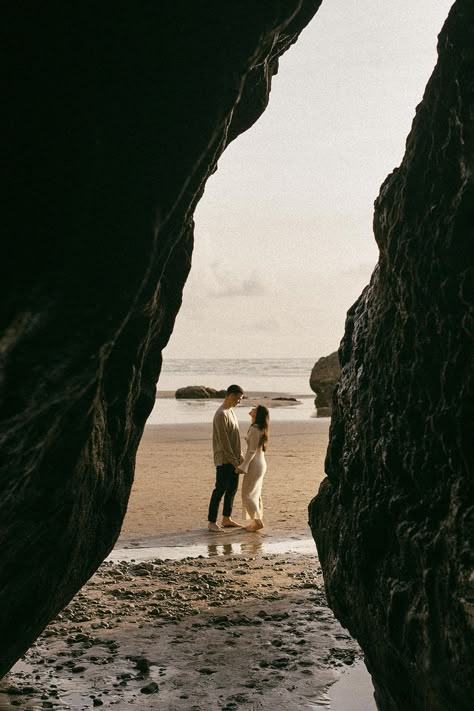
[[254, 467]]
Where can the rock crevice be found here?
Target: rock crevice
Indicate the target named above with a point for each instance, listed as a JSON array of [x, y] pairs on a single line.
[[113, 123], [394, 520]]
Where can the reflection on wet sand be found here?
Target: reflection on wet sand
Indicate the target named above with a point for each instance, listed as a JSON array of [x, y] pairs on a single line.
[[223, 549], [235, 548], [257, 545]]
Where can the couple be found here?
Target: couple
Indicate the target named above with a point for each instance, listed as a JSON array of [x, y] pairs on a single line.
[[230, 462]]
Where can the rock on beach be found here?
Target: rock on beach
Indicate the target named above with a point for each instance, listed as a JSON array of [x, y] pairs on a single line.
[[196, 392]]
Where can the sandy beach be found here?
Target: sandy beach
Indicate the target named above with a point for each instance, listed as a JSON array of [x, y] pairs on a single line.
[[175, 476], [180, 618]]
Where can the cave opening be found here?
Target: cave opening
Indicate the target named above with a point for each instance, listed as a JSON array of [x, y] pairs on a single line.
[[74, 418], [285, 224]]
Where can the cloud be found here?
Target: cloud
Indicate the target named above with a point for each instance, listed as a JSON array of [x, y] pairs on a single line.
[[228, 284]]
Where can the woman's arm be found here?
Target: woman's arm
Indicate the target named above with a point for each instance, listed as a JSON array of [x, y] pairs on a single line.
[[254, 435]]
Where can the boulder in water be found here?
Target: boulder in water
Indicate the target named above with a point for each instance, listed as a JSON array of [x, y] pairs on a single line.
[[198, 392]]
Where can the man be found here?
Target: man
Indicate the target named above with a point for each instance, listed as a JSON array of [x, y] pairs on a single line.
[[227, 457]]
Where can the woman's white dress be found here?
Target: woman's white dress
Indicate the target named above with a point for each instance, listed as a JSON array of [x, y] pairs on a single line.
[[254, 467]]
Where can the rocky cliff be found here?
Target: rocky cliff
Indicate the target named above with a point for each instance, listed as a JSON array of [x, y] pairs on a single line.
[[114, 117], [394, 520], [322, 381]]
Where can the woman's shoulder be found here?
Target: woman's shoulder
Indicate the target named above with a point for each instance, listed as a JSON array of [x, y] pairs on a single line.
[[254, 433]]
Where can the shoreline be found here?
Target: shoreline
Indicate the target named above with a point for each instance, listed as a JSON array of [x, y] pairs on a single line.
[[248, 395], [284, 407], [180, 545]]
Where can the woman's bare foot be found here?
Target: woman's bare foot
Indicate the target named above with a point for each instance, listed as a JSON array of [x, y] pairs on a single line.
[[214, 527], [227, 522], [256, 525]]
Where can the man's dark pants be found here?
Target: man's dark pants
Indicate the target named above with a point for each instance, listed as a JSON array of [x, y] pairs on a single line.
[[227, 482]]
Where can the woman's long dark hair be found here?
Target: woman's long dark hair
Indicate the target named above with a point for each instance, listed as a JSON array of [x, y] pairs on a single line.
[[262, 421]]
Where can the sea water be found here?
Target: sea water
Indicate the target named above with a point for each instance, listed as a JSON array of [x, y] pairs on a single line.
[[286, 377], [282, 375]]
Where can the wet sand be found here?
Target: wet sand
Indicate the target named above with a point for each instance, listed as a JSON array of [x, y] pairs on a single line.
[[175, 476], [179, 618]]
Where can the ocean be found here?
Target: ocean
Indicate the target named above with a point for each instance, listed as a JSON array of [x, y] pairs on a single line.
[[288, 377]]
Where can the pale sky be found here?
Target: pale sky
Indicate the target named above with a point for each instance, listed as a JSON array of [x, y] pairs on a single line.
[[283, 238]]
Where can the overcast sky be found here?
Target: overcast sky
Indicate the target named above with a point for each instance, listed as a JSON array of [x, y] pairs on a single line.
[[283, 237]]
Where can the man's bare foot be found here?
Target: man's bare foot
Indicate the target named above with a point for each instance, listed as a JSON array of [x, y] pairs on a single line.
[[256, 525], [214, 527], [227, 522]]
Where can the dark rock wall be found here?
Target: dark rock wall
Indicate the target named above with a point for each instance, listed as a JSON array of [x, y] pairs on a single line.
[[394, 520], [114, 115]]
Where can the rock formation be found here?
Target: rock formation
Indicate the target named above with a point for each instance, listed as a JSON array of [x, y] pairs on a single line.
[[113, 117], [394, 520], [322, 381], [198, 392]]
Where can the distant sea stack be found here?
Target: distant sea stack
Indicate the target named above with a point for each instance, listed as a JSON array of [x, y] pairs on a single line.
[[322, 381]]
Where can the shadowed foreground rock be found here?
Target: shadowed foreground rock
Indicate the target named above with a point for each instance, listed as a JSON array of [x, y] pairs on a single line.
[[323, 379], [394, 520], [114, 117]]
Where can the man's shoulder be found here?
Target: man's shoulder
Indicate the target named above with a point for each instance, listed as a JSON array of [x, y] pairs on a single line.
[[224, 414], [220, 413]]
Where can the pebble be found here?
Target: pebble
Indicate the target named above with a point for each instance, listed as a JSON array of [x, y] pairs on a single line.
[[141, 664], [78, 669], [151, 688]]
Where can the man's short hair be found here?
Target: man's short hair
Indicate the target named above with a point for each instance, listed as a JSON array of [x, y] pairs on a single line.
[[234, 389]]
